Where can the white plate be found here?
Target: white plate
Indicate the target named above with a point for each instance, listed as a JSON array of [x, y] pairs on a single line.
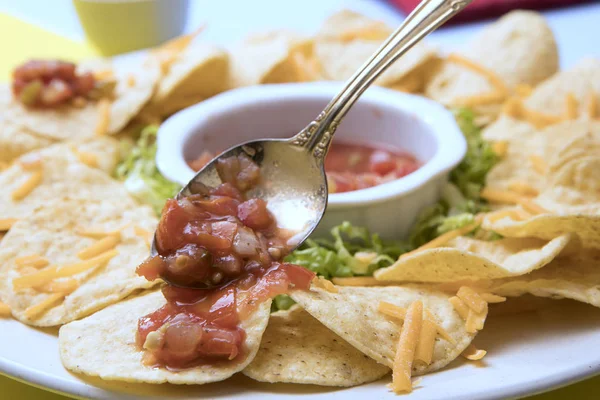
[[527, 353]]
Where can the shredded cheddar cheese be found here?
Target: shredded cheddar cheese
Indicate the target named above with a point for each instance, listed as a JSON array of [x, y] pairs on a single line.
[[500, 147], [34, 260], [7, 223], [592, 105], [522, 188], [4, 310], [571, 106], [503, 196], [472, 299], [103, 117], [27, 187], [460, 307], [130, 81], [86, 158], [426, 343], [513, 108], [491, 76], [358, 281], [476, 320], [105, 74], [325, 284], [492, 298], [538, 119], [52, 272], [445, 238], [493, 97], [407, 345], [397, 312], [539, 165], [144, 234], [473, 353], [523, 90], [31, 162], [68, 285], [101, 246], [44, 305]]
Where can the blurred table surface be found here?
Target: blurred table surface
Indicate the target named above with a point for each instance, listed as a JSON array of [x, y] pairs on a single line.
[[577, 30]]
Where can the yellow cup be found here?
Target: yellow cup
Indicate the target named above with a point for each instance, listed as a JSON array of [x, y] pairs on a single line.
[[119, 26]]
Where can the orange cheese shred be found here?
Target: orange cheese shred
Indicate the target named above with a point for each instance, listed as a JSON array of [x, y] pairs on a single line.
[[27, 187], [472, 299], [492, 298], [592, 105], [358, 281], [445, 238], [101, 246], [53, 272], [4, 310], [504, 196], [475, 320], [407, 345], [7, 223], [500, 147], [34, 260], [539, 165], [68, 285], [394, 311], [103, 117], [473, 353], [86, 158], [44, 305], [325, 284], [523, 188], [523, 90], [571, 106], [491, 76], [424, 352], [493, 97], [31, 162], [460, 307]]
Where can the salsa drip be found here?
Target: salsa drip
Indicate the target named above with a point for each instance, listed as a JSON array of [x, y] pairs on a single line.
[[351, 166], [230, 247], [51, 83]]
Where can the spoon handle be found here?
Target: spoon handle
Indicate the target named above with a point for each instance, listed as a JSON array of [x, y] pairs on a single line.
[[425, 18]]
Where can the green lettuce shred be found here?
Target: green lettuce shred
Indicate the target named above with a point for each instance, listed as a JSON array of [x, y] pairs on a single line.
[[350, 251], [141, 176]]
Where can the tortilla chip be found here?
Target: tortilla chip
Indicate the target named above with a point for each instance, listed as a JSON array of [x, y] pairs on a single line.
[[136, 81], [268, 58], [341, 59], [574, 188], [549, 226], [16, 140], [55, 232], [63, 177], [575, 277], [197, 73], [581, 143], [103, 345], [519, 48], [468, 258], [352, 314], [347, 25], [296, 348], [508, 129], [579, 81], [515, 165]]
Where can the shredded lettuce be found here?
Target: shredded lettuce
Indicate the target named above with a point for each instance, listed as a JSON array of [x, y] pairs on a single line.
[[350, 251], [141, 176]]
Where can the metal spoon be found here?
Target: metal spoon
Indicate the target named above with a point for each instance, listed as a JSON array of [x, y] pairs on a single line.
[[293, 176]]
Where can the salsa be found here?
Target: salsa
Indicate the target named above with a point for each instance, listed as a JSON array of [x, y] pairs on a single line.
[[227, 245], [51, 83], [351, 166]]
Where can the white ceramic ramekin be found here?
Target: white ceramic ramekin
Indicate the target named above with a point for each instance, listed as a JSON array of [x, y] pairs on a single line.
[[382, 116]]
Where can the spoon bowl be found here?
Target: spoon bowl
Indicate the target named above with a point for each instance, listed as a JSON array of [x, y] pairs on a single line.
[[293, 181]]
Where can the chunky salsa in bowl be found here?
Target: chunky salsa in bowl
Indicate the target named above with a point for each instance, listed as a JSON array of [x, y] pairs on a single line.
[[352, 166], [221, 255]]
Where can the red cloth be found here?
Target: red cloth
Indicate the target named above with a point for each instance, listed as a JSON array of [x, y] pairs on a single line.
[[480, 9]]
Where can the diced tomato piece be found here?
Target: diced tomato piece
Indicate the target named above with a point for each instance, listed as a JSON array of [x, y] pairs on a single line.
[[152, 268], [254, 214], [227, 190], [225, 230], [170, 232], [381, 162], [218, 205], [201, 161]]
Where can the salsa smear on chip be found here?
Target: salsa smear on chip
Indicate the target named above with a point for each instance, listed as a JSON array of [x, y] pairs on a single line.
[[230, 248]]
